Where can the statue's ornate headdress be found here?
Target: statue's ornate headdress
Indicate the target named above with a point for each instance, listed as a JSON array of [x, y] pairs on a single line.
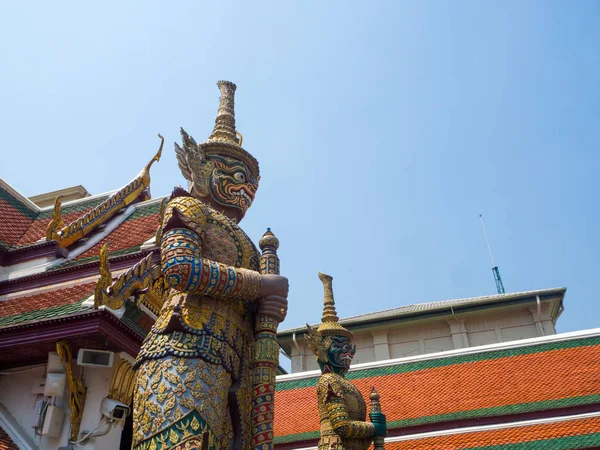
[[318, 339], [224, 141]]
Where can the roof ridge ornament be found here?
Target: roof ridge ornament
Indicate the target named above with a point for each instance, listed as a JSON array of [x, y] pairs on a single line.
[[57, 222], [71, 233]]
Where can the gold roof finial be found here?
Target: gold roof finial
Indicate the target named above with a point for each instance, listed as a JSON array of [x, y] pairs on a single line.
[[330, 321], [224, 130]]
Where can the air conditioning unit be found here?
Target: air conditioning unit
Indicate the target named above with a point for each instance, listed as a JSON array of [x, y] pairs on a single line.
[[95, 358]]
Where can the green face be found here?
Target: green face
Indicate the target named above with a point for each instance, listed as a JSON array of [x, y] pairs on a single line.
[[231, 184], [340, 354]]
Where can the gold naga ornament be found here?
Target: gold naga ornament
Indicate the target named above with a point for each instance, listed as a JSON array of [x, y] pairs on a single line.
[[143, 283], [77, 389]]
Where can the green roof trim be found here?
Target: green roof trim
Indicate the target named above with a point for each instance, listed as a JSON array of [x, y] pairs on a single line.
[[590, 440], [142, 210], [517, 408], [564, 443], [20, 206], [448, 361], [81, 206], [297, 437], [472, 414], [132, 318], [43, 314], [76, 262]]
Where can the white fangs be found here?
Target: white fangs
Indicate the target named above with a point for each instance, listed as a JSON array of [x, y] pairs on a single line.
[[242, 193]]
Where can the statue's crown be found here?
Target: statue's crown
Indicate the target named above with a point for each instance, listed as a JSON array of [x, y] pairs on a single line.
[[330, 322], [225, 140]]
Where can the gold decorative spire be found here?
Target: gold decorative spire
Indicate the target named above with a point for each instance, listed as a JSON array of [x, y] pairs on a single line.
[[224, 130], [330, 321]]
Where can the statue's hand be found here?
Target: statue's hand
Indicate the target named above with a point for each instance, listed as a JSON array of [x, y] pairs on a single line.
[[273, 306], [274, 285], [378, 419]]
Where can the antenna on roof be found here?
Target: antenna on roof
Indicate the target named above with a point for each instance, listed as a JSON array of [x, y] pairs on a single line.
[[495, 271]]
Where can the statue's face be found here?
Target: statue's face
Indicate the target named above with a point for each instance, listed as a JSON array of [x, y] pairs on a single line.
[[340, 353], [231, 184]]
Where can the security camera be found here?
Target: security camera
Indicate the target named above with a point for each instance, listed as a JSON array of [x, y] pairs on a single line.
[[113, 410]]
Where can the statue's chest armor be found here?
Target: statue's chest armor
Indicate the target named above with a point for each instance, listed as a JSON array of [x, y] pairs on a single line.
[[226, 243], [357, 409]]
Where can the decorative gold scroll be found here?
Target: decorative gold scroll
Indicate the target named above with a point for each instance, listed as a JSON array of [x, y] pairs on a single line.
[[77, 390], [122, 383]]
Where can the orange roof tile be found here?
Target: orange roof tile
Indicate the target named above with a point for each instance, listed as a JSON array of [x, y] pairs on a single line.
[[131, 233], [6, 443], [14, 310], [13, 224], [584, 433], [493, 383], [37, 229], [22, 225]]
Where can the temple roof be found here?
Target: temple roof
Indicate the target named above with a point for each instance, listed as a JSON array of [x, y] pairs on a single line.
[[487, 384], [443, 305], [49, 267], [24, 223], [401, 314], [570, 433], [6, 443]]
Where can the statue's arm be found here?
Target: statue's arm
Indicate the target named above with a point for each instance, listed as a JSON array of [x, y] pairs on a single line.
[[338, 415], [186, 271]]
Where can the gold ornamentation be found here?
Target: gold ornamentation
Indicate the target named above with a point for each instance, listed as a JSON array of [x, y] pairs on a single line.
[[107, 209], [342, 412], [161, 220], [143, 281], [195, 386], [266, 356], [194, 159], [57, 223], [105, 280], [319, 340], [122, 383], [77, 390], [330, 322], [342, 409]]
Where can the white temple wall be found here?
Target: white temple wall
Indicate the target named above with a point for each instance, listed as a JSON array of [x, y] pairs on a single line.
[[410, 338], [18, 400]]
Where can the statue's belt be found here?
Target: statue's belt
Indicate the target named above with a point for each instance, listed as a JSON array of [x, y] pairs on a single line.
[[200, 344]]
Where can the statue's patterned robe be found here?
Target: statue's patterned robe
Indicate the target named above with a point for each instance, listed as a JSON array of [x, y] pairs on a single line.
[[194, 369], [343, 413]]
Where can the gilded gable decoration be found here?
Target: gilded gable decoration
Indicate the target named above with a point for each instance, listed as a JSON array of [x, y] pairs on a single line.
[[71, 233], [142, 282], [77, 389]]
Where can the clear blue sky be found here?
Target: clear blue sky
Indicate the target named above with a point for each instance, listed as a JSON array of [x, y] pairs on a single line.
[[383, 130]]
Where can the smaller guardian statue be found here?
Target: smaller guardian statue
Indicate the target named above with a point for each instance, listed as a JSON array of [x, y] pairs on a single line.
[[342, 409]]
